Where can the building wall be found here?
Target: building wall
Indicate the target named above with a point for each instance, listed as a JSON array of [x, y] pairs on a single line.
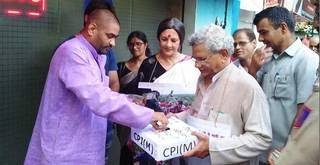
[[143, 15], [26, 46], [189, 22]]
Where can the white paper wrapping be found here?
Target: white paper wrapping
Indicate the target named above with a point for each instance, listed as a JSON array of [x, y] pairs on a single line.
[[167, 144]]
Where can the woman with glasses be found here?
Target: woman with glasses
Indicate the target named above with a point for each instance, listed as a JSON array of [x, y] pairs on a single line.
[[127, 70], [138, 46]]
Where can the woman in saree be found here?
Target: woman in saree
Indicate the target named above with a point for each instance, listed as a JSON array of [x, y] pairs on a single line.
[[170, 34], [138, 46], [127, 70]]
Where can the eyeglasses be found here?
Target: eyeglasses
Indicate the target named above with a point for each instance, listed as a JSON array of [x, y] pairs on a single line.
[[241, 43], [138, 44], [200, 61]]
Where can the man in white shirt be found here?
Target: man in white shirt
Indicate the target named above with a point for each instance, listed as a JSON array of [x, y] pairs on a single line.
[[233, 100]]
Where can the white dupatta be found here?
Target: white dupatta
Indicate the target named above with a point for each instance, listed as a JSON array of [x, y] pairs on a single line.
[[183, 73]]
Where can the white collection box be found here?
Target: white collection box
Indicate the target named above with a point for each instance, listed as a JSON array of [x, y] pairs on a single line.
[[168, 144]]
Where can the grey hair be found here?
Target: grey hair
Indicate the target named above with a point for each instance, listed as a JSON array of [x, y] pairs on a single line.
[[214, 38]]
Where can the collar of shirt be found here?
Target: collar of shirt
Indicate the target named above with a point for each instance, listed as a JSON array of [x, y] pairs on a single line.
[[88, 45], [292, 49], [219, 74]]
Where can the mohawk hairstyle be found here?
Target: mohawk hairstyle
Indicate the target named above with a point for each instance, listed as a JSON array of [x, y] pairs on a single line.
[[100, 4]]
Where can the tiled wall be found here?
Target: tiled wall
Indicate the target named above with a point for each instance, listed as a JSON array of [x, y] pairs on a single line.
[[26, 46]]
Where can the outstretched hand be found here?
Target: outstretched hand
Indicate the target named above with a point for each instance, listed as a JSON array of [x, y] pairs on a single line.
[[201, 150], [159, 121]]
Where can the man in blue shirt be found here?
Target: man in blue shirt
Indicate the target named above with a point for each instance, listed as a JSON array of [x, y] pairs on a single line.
[[287, 76], [111, 69]]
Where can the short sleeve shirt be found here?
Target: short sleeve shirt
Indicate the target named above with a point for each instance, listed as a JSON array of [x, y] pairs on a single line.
[[287, 80]]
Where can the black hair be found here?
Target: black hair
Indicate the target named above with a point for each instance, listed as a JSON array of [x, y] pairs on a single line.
[[276, 15], [172, 23], [247, 31], [100, 4], [140, 35]]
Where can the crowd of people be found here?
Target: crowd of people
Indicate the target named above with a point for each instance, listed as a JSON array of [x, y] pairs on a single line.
[[265, 102]]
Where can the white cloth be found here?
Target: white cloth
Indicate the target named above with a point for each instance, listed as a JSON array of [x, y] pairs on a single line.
[[235, 98], [183, 73]]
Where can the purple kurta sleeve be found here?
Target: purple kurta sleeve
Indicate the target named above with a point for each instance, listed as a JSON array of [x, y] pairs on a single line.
[[83, 79], [71, 124]]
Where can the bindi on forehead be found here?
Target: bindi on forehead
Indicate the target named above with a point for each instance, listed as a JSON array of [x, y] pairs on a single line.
[[169, 33]]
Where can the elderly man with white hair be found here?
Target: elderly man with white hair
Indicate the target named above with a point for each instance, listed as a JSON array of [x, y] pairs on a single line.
[[229, 98], [314, 43]]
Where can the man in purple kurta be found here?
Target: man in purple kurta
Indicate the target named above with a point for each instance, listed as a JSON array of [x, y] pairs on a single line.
[[76, 102]]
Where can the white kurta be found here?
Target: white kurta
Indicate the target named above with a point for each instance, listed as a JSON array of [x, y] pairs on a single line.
[[184, 74], [234, 98]]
